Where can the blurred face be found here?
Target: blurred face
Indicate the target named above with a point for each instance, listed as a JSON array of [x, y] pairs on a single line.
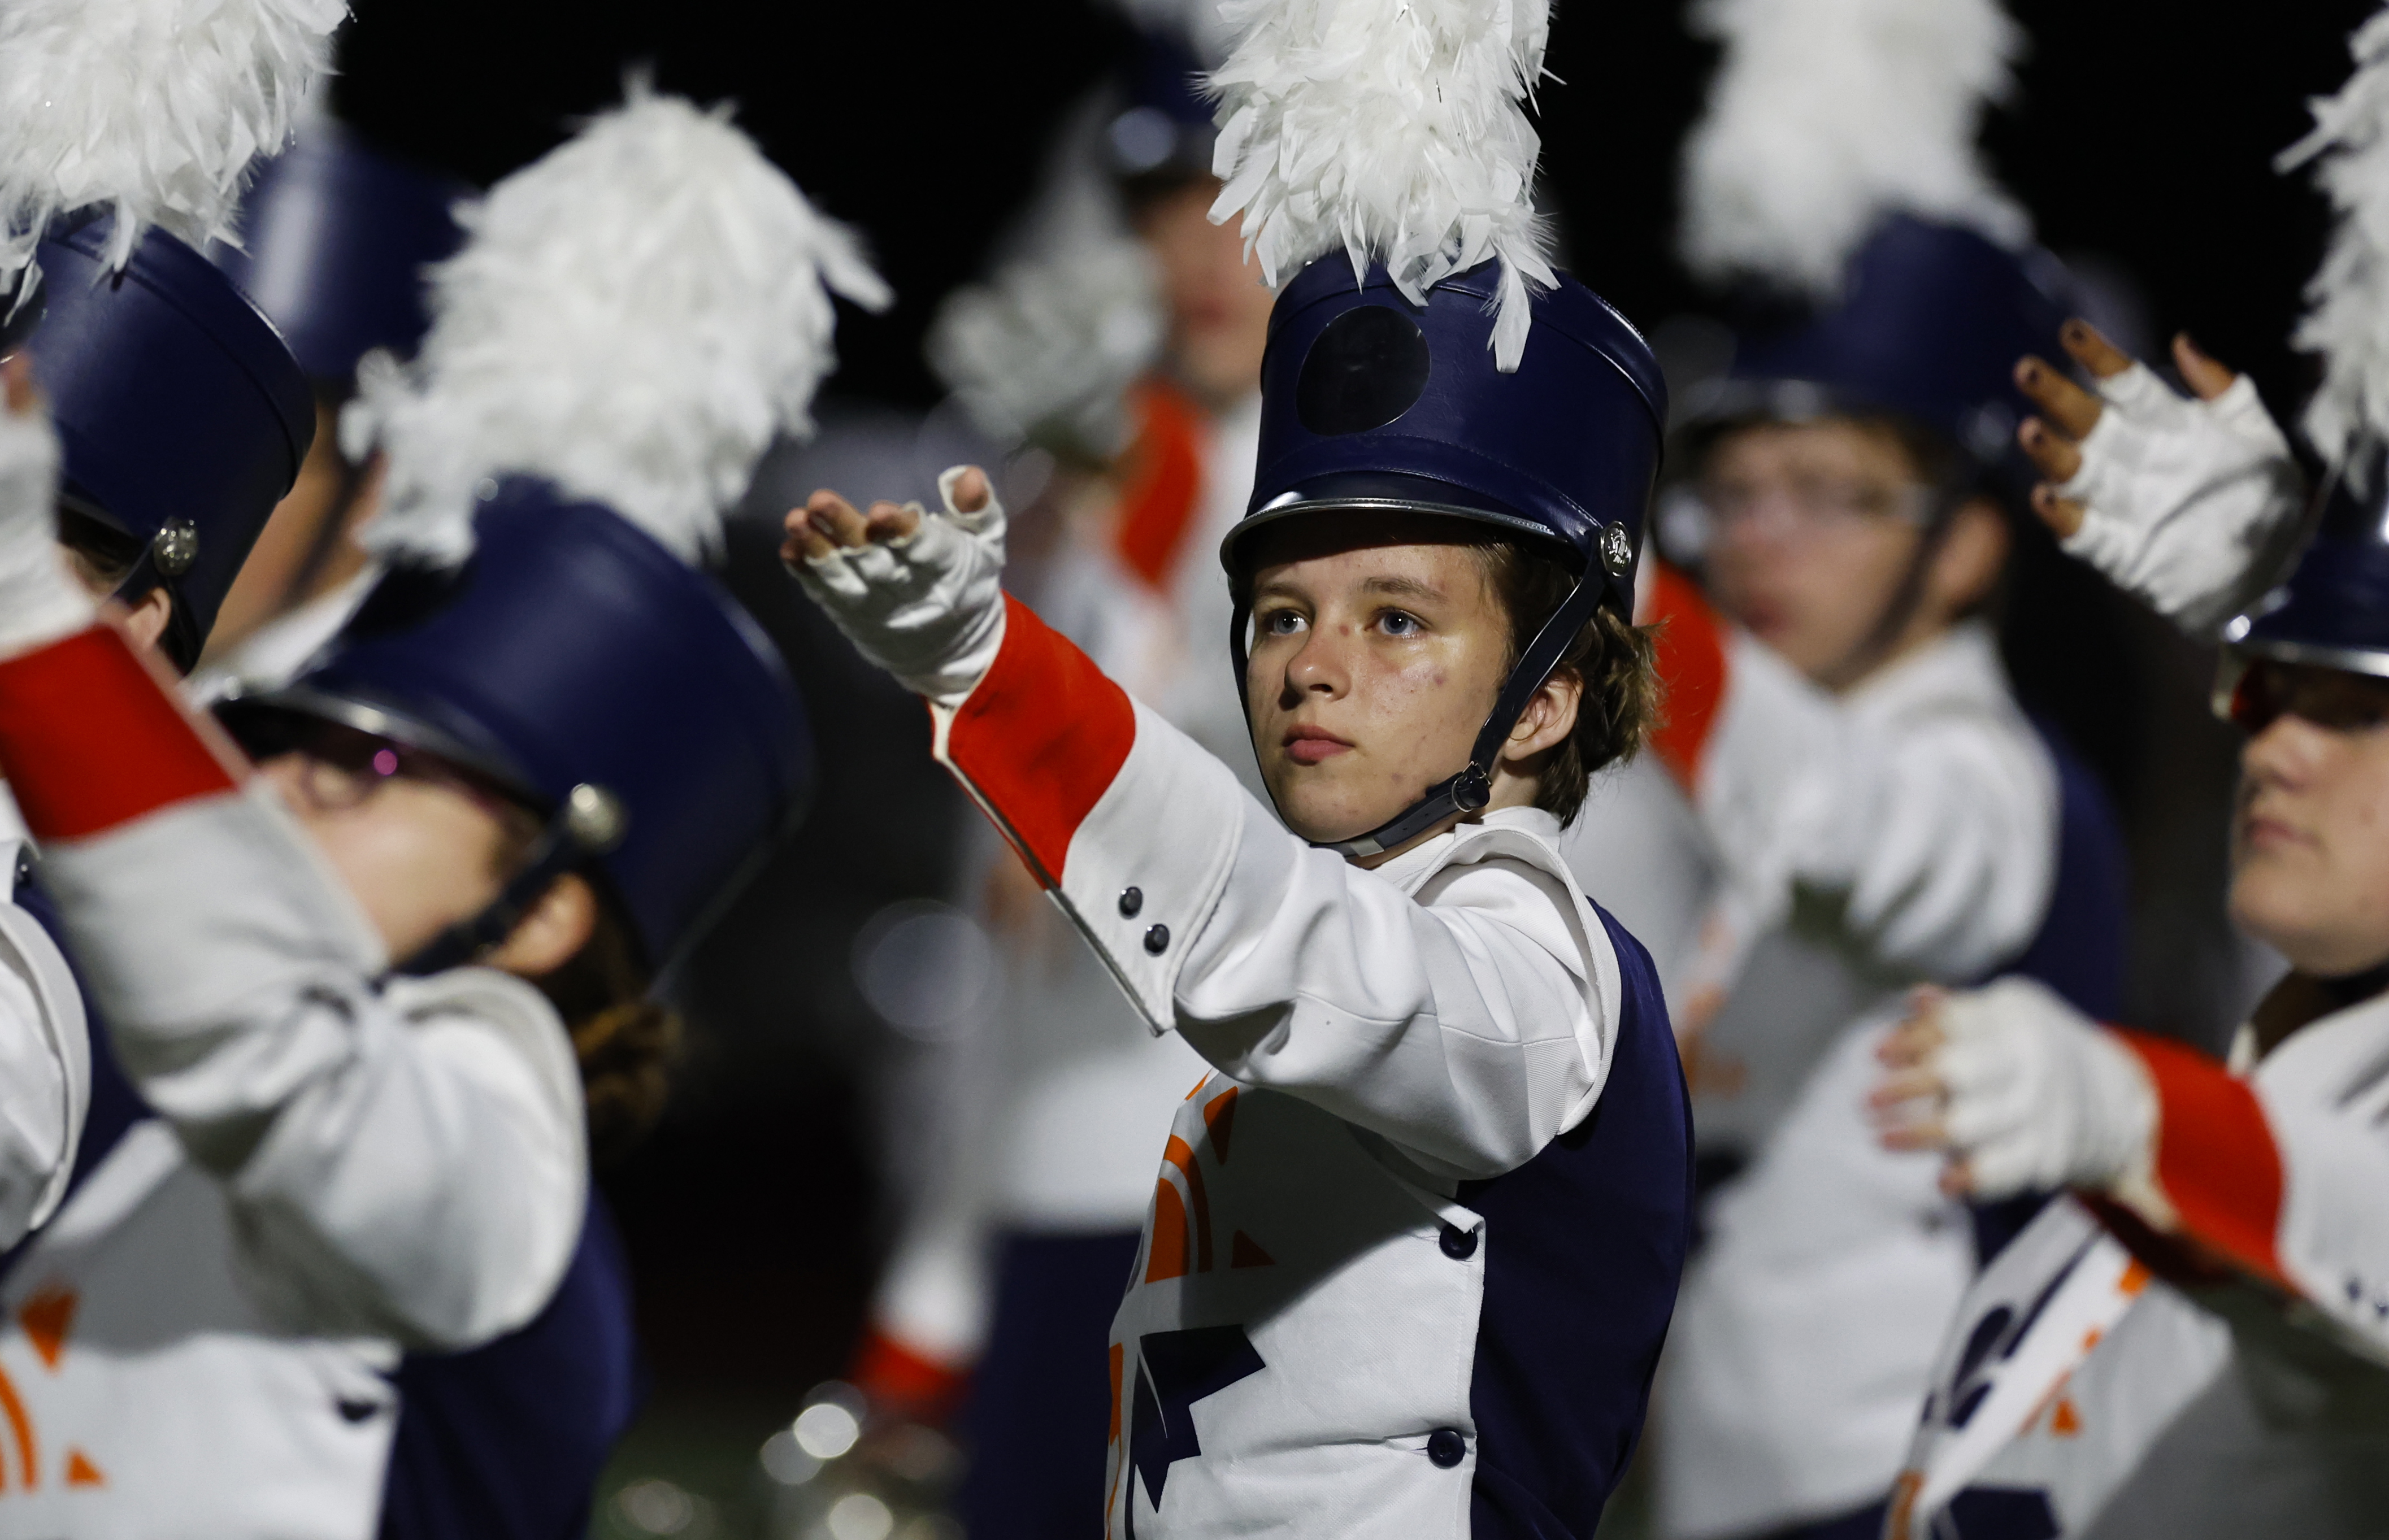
[[1219, 310], [2310, 838], [1815, 527], [416, 845], [1372, 669]]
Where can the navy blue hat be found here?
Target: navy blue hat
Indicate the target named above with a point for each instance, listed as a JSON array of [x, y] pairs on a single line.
[[1369, 401], [584, 668], [1930, 325], [1372, 404], [337, 237], [182, 419], [1167, 124], [2333, 610]]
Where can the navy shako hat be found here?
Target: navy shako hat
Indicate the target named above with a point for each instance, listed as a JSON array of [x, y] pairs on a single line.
[[1931, 322], [182, 419], [2333, 609], [578, 663], [1371, 401], [336, 237]]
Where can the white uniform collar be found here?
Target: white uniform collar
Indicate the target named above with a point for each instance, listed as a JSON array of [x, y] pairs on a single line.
[[1421, 861]]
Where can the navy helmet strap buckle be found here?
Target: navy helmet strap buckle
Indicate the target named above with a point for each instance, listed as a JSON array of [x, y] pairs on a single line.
[[589, 823]]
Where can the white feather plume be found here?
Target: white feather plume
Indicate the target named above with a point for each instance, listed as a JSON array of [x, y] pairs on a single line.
[[633, 317], [2347, 300], [1827, 115], [152, 108], [1394, 129]]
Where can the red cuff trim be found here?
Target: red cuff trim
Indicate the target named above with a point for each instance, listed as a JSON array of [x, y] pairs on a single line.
[[2216, 1158], [906, 1382], [90, 738], [1693, 666], [1040, 739]]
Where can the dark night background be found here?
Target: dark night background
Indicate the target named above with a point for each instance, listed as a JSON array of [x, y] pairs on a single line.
[[2141, 139]]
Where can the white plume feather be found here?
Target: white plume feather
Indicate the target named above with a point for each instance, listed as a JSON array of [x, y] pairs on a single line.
[[2347, 313], [1827, 115], [633, 316], [1394, 129], [152, 108]]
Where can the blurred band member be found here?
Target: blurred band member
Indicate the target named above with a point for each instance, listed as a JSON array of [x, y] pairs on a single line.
[[335, 238], [380, 978], [1878, 807], [2194, 1346]]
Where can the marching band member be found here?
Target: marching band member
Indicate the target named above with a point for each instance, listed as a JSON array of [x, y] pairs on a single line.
[[2194, 1345], [183, 418], [1129, 347], [1415, 1236], [380, 983], [335, 239], [1879, 807]]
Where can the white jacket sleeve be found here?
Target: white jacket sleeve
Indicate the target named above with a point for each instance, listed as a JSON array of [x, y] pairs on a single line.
[[1923, 801], [1467, 1024], [407, 1161], [45, 1068]]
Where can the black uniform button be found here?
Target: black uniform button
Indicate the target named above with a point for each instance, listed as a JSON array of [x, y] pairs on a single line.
[[1457, 1243], [1132, 900], [1157, 940], [1446, 1447]]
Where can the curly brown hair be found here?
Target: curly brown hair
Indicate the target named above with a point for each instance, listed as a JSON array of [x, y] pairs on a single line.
[[626, 1041], [1621, 703]]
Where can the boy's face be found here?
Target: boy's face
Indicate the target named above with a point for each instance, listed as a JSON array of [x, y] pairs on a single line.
[[1815, 526], [1373, 666], [2310, 837]]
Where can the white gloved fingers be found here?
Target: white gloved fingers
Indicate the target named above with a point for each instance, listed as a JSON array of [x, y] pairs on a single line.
[[927, 607], [2241, 410], [2136, 391], [986, 521]]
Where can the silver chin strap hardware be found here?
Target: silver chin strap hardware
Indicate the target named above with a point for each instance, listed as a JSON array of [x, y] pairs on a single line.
[[591, 822]]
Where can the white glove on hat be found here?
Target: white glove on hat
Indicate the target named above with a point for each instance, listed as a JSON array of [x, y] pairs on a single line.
[[2184, 500], [929, 607], [2039, 1096], [40, 600]]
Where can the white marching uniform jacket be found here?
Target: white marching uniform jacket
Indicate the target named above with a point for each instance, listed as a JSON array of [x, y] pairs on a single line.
[[1364, 1214], [45, 1052], [1050, 1121], [1904, 832], [2226, 1372], [337, 1172]]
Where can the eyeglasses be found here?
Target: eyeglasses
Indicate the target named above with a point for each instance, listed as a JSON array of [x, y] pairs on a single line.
[[2266, 690], [340, 767], [1814, 502]]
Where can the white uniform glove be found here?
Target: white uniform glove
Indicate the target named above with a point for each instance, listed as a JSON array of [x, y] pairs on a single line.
[[2185, 501], [40, 600], [929, 607], [2039, 1096]]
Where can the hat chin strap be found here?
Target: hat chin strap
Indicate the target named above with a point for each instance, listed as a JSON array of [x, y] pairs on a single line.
[[589, 824], [1472, 789]]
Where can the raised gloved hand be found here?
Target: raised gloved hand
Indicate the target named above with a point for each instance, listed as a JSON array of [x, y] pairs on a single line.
[[40, 600], [2024, 1091], [2188, 503], [920, 594]]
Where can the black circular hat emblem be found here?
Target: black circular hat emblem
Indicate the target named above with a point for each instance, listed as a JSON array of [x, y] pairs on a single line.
[[1365, 368]]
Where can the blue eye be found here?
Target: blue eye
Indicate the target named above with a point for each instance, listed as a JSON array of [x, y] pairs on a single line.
[[1281, 622], [1396, 623]]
